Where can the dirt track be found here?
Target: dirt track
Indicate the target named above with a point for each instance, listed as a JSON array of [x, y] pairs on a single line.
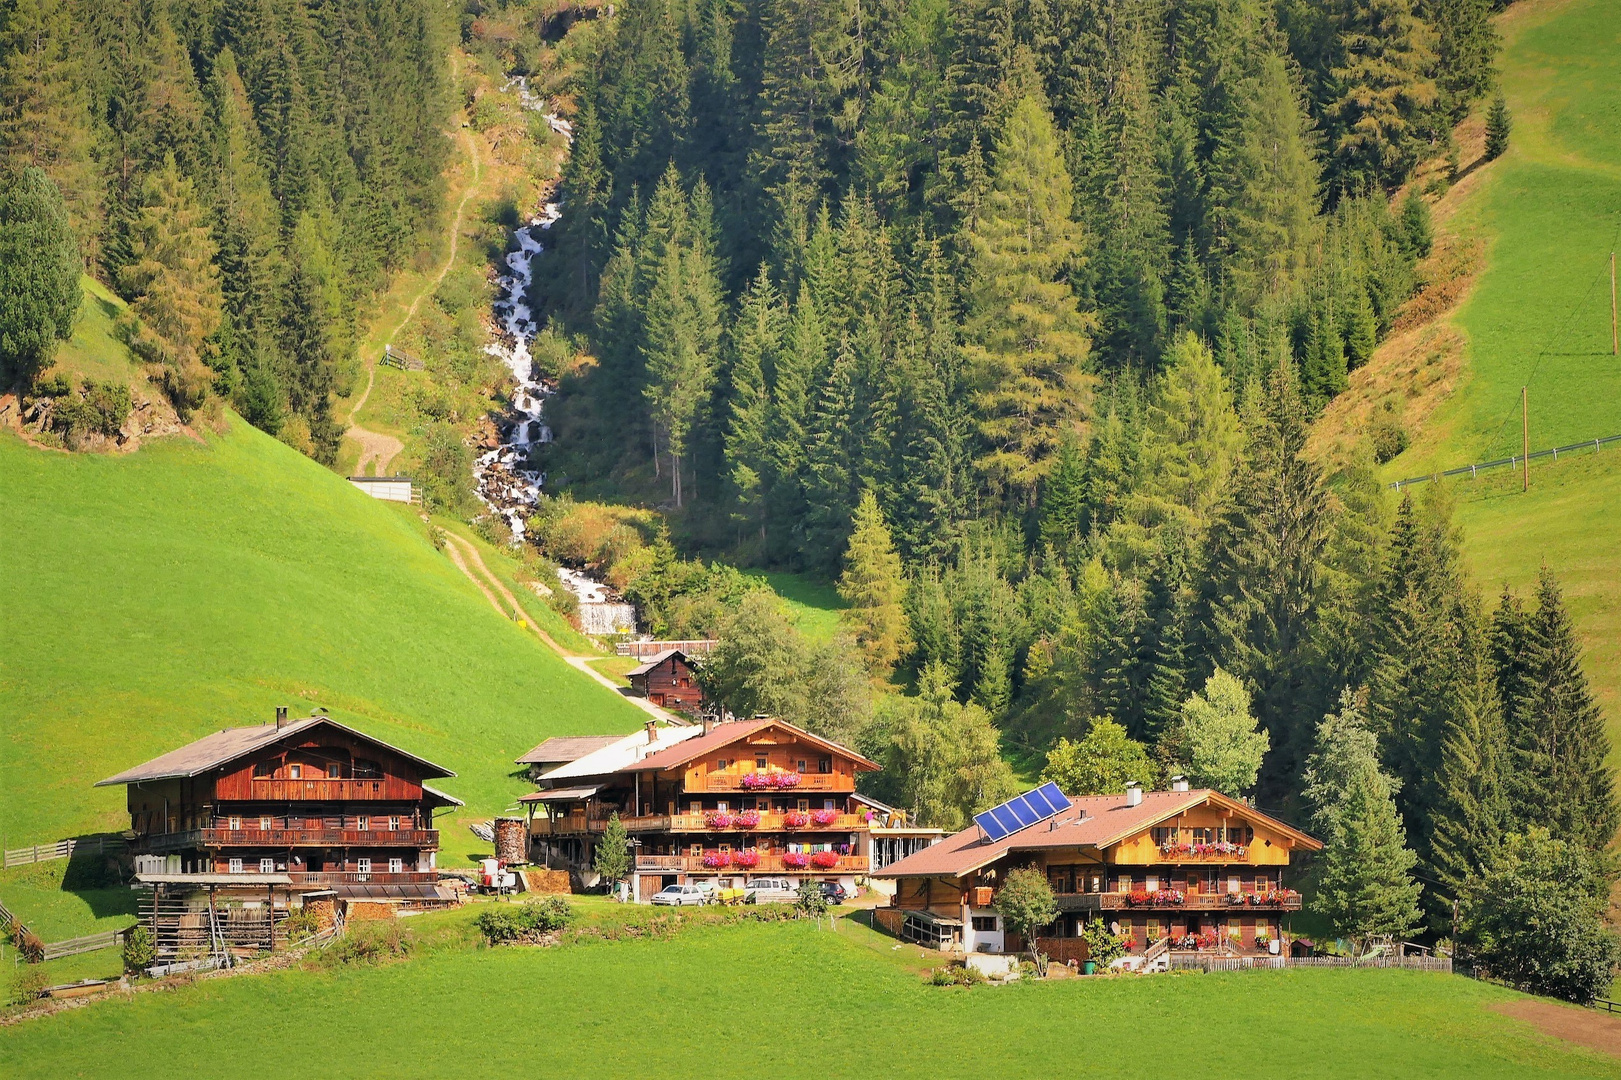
[[1571, 1023]]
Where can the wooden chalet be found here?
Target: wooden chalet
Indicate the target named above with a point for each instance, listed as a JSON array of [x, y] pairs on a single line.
[[668, 679], [233, 831], [727, 801], [1171, 870]]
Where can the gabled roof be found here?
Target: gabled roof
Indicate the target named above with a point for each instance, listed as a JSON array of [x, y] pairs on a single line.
[[655, 661], [731, 731], [223, 747], [1094, 821], [566, 748], [624, 750]]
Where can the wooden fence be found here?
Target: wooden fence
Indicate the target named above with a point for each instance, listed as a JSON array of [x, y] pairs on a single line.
[[61, 849], [1181, 962], [89, 943], [399, 358]]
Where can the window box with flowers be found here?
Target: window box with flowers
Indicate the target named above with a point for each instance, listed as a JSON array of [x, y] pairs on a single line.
[[1157, 898], [825, 860], [795, 860], [747, 859], [755, 781], [715, 860], [748, 819], [795, 819], [824, 817], [718, 819], [784, 779]]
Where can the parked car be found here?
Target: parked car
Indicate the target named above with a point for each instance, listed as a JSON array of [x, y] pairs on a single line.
[[771, 890], [681, 896], [834, 892]]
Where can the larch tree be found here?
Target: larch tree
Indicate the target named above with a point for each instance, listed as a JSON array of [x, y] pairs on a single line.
[[873, 587], [44, 110], [1027, 337], [173, 283], [39, 274]]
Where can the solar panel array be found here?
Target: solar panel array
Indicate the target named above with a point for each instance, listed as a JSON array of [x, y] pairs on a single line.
[[1023, 811]]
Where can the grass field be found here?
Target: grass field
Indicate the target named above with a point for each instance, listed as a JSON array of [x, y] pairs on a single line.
[[95, 350], [813, 605], [158, 596], [793, 1001]]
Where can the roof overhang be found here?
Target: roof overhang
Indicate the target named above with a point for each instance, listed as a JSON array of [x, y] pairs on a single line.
[[441, 798], [567, 794]]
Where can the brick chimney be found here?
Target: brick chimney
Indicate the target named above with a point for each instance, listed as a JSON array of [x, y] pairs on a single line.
[[652, 728], [281, 717]]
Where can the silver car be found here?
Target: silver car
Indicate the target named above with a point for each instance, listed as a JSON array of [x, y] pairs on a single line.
[[770, 890], [681, 896]]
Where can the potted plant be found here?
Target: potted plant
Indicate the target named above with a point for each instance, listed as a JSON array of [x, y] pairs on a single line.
[[755, 781], [786, 779], [715, 860], [747, 859], [717, 819]]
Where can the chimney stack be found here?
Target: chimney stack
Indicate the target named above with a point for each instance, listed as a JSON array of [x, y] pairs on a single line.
[[652, 732], [1134, 793], [281, 717], [1179, 783]]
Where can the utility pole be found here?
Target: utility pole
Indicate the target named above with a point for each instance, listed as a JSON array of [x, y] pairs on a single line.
[[1615, 338], [1525, 442]]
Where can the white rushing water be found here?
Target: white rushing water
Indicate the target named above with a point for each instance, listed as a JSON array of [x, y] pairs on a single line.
[[505, 482]]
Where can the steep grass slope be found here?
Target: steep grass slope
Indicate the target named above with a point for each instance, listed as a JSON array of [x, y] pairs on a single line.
[[152, 598]]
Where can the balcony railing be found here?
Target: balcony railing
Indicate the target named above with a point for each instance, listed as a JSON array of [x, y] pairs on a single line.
[[768, 864], [1117, 901], [807, 782], [355, 877], [284, 838], [772, 821]]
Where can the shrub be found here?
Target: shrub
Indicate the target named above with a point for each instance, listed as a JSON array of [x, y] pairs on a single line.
[[1102, 947], [300, 924], [957, 976], [28, 983], [140, 952], [505, 923], [811, 901], [369, 943]]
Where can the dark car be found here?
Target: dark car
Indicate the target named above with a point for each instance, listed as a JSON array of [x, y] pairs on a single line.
[[834, 892]]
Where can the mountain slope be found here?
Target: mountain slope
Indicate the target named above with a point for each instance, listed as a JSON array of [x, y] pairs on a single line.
[[157, 596]]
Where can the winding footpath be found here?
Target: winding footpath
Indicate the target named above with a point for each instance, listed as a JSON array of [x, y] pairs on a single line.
[[375, 446]]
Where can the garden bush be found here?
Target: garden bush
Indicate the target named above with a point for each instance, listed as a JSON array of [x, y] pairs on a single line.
[[140, 952], [506, 923]]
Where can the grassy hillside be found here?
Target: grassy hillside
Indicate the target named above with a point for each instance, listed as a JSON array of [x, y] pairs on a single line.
[[159, 596], [1535, 311], [838, 1004], [95, 351]]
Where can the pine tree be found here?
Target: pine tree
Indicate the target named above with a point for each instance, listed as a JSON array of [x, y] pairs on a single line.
[[756, 339], [39, 274], [173, 283], [1498, 125], [1027, 338], [1465, 52], [244, 210], [1560, 747], [612, 860], [873, 588], [1063, 499], [1471, 813], [1385, 94], [1361, 330], [1366, 886], [1344, 744]]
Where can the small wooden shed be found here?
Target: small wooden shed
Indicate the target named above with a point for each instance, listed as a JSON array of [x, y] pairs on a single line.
[[668, 679]]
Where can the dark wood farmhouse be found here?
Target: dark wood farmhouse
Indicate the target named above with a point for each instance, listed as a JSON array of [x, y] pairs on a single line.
[[668, 679], [233, 832]]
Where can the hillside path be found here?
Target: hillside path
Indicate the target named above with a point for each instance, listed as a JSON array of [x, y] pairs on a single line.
[[375, 446], [466, 557]]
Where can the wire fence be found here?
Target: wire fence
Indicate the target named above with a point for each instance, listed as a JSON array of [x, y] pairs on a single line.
[[1516, 462]]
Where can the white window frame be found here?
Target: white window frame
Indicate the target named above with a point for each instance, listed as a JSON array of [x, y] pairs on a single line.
[[295, 772], [363, 865], [264, 823], [394, 824], [363, 824], [267, 866], [396, 866], [234, 866], [233, 823]]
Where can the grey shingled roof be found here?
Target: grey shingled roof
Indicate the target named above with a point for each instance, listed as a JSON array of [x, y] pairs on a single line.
[[655, 662], [212, 751], [565, 748]]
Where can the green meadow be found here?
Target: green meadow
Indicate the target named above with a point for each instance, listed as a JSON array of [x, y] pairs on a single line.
[[789, 1000], [157, 596]]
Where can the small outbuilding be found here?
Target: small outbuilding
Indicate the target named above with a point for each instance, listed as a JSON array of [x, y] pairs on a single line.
[[668, 679]]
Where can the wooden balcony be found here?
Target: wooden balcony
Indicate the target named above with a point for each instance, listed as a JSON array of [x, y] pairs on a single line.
[[768, 864], [1117, 901], [807, 782], [354, 877], [287, 838], [770, 822]]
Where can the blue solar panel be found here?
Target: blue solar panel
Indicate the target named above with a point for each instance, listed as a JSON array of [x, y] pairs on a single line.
[[1023, 811]]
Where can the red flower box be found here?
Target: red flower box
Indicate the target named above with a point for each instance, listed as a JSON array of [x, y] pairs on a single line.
[[714, 860], [825, 860], [795, 819], [755, 781], [718, 819], [825, 817], [746, 859], [748, 819], [795, 860], [784, 779]]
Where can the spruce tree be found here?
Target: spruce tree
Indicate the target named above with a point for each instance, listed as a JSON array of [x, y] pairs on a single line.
[[1465, 52], [1559, 745], [39, 274], [1498, 125], [1382, 118], [1471, 812], [756, 339], [44, 109], [873, 588], [1366, 886], [1063, 499], [1027, 339]]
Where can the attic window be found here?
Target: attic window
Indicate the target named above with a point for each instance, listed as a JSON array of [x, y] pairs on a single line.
[[296, 772], [263, 770], [367, 770], [721, 764]]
